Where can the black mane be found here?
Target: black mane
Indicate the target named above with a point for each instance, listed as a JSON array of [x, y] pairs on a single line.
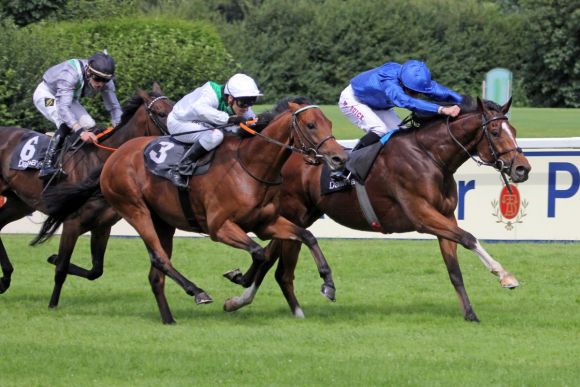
[[282, 106], [130, 107], [468, 105]]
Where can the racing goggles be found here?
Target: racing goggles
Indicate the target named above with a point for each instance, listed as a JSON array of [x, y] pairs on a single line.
[[245, 102]]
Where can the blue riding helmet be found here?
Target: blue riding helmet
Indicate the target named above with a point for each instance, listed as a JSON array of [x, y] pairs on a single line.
[[416, 76]]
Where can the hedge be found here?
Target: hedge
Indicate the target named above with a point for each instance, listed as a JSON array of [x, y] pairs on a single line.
[[180, 55]]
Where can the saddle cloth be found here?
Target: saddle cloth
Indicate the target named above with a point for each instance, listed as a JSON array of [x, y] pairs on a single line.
[[30, 151], [163, 154]]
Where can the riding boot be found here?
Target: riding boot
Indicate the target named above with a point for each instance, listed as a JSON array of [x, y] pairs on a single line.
[[187, 160], [368, 139], [48, 168]]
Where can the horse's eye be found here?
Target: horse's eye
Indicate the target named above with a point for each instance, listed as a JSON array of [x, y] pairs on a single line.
[[311, 125], [161, 114], [495, 133]]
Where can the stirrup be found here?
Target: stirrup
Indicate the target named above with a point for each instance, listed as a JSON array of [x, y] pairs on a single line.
[[179, 180]]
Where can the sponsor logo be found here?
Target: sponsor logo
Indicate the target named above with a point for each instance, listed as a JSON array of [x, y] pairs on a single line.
[[48, 102], [510, 209]]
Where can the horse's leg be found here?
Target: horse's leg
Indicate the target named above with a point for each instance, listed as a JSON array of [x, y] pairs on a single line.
[[282, 228], [449, 252], [271, 254], [12, 210], [139, 216], [99, 239], [285, 274], [428, 220], [157, 278], [68, 240]]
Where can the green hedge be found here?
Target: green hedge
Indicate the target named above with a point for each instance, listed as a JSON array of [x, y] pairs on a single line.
[[179, 54]]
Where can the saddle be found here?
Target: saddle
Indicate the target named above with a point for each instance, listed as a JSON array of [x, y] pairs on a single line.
[[163, 154]]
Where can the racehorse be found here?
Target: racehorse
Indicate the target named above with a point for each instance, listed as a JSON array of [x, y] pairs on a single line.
[[144, 115], [238, 194], [410, 187]]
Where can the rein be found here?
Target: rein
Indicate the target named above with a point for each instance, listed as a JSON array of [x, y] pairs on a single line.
[[152, 115], [313, 157]]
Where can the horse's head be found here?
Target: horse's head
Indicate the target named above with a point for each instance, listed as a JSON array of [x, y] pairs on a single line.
[[498, 146], [157, 107], [312, 133]]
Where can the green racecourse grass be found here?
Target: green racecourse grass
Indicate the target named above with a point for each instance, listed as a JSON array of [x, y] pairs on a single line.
[[396, 320], [530, 122]]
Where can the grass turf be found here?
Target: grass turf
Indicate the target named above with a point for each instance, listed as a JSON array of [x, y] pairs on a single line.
[[396, 320]]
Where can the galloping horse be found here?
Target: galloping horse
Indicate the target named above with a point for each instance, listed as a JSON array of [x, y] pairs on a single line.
[[143, 115], [238, 194], [410, 187]]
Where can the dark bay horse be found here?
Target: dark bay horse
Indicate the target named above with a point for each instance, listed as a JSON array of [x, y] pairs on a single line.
[[239, 194], [143, 115], [411, 188]]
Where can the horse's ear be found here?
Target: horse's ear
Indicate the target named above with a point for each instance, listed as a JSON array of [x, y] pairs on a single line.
[[481, 105], [157, 88], [505, 108], [293, 106], [143, 94]]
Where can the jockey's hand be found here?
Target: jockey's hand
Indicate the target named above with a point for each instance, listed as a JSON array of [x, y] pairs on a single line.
[[89, 137], [452, 111], [236, 120]]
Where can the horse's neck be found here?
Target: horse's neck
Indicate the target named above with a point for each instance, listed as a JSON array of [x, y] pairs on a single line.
[[135, 127], [265, 157], [440, 143]]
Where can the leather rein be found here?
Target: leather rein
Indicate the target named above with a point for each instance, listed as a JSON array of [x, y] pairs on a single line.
[[312, 156]]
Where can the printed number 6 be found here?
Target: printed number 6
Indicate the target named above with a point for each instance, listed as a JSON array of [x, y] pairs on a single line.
[[161, 155], [29, 149]]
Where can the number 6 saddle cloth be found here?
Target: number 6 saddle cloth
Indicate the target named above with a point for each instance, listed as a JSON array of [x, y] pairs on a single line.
[[29, 154]]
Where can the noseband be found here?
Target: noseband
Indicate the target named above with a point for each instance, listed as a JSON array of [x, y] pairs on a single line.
[[154, 116]]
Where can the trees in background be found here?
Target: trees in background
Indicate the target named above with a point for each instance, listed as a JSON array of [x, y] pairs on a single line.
[[303, 47]]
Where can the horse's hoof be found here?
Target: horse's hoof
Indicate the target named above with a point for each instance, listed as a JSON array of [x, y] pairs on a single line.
[[471, 317], [230, 305], [52, 259], [203, 298], [4, 285], [234, 275], [509, 281], [328, 292]]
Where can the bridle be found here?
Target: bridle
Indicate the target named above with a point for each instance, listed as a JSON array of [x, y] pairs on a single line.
[[310, 150], [154, 116], [496, 163]]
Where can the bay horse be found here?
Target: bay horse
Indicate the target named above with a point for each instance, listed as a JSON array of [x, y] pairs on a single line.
[[238, 194], [143, 115], [410, 187]]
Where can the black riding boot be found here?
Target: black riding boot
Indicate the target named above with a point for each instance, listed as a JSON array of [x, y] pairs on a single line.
[[48, 168], [368, 139], [191, 156]]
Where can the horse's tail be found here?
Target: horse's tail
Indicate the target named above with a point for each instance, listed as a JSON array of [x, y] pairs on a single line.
[[63, 200]]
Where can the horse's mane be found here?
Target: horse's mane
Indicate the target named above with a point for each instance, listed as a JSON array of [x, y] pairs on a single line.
[[468, 105], [282, 106], [130, 107]]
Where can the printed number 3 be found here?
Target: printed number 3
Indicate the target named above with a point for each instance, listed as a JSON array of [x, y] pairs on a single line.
[[160, 155]]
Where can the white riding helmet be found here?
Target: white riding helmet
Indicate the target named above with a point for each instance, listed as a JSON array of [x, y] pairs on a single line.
[[240, 86]]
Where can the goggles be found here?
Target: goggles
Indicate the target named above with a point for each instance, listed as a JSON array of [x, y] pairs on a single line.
[[245, 102], [98, 76]]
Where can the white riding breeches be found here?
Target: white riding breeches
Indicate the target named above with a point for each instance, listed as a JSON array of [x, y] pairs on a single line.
[[47, 104], [208, 136], [366, 118]]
